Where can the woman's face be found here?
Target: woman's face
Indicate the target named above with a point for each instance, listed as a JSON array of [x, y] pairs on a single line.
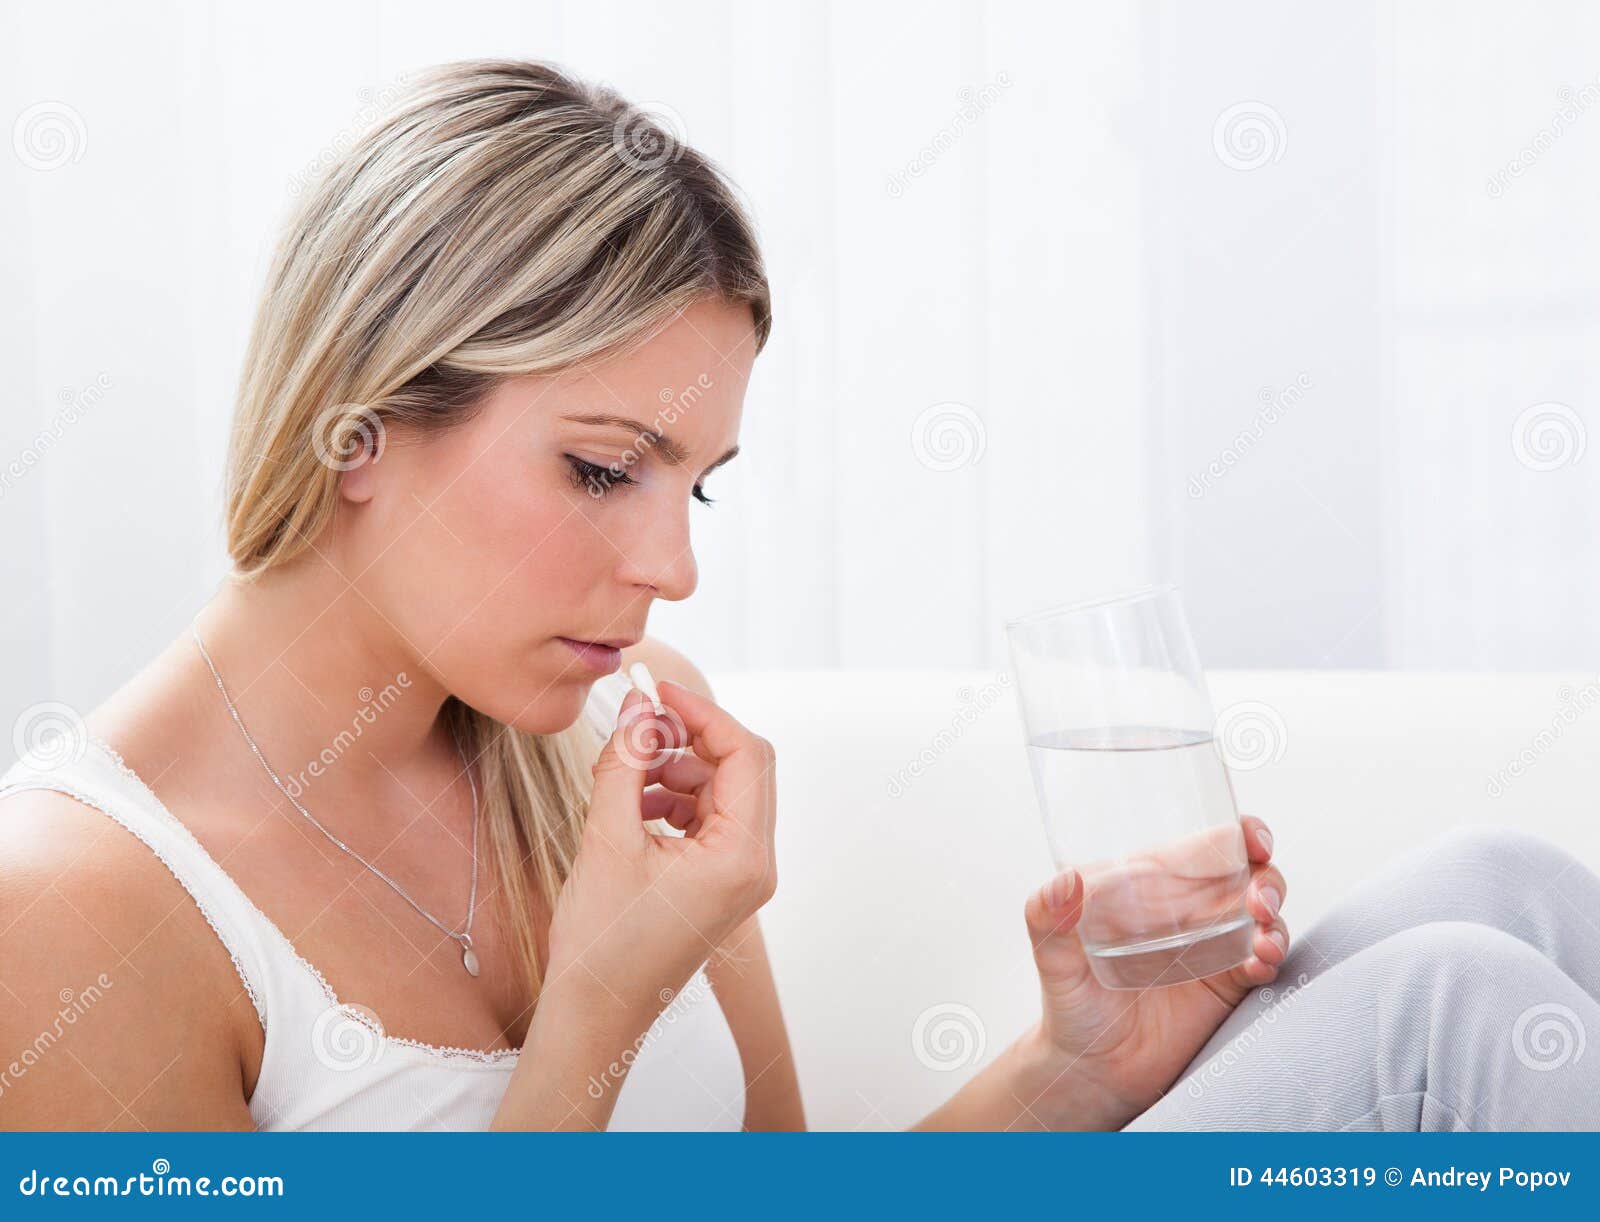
[[554, 517]]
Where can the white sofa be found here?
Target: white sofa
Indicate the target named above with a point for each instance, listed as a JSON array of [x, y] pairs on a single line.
[[901, 887]]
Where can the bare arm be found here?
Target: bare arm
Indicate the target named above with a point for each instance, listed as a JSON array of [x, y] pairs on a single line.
[[1029, 1086], [119, 1009], [739, 970], [572, 1068]]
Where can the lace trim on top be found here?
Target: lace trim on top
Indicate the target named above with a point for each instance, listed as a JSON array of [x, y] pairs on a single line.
[[447, 1052], [77, 792]]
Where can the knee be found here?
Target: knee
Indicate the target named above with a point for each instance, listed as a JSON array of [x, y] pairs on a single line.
[[1498, 848], [1452, 951]]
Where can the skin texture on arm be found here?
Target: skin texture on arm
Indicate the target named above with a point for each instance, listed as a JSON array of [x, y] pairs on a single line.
[[121, 1009], [739, 970]]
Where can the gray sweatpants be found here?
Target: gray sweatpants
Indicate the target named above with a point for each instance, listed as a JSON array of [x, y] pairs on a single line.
[[1455, 989]]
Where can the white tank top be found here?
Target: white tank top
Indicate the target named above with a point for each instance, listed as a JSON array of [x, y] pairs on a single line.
[[328, 1064]]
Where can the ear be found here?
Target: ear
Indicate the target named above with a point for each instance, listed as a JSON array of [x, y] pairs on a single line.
[[358, 478]]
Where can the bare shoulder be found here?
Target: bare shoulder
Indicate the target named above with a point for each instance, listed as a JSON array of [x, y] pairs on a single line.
[[665, 662], [119, 1008]]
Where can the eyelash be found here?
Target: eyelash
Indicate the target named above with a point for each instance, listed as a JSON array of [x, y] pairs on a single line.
[[591, 475]]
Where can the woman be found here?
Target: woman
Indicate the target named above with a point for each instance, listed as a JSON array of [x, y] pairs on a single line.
[[385, 845]]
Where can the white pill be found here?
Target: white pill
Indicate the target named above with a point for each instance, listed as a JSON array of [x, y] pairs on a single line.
[[645, 682]]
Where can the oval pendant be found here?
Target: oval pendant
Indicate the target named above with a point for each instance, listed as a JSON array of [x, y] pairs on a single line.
[[469, 960]]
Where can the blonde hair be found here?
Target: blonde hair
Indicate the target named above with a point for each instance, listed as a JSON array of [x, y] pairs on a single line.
[[502, 219]]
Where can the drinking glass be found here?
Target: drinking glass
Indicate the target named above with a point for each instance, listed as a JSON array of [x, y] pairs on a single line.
[[1134, 792]]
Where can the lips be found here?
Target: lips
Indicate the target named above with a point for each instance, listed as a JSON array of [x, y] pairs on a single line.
[[602, 657]]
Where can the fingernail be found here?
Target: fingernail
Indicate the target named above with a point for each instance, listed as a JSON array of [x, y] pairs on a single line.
[[1266, 839], [1270, 899], [1275, 936], [623, 707], [1060, 890]]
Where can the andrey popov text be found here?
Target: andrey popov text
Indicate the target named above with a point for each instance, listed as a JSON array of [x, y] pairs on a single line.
[[1480, 1180]]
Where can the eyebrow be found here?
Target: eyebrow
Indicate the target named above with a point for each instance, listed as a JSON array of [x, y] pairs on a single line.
[[670, 451]]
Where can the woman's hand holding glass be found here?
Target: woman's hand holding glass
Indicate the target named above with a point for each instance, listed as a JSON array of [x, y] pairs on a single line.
[[1116, 1051]]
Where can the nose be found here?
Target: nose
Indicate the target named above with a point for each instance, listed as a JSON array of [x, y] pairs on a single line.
[[661, 555]]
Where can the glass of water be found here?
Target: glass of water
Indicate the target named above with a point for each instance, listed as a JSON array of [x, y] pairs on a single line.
[[1134, 793]]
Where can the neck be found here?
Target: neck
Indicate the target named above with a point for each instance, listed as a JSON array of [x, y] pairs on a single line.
[[327, 688]]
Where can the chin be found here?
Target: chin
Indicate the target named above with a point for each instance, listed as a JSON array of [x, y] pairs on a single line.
[[556, 710]]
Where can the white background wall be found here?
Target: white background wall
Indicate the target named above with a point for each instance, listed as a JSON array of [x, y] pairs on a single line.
[[1114, 235]]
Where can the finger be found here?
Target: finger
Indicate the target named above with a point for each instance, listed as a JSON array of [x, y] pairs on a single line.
[[743, 786], [1267, 893], [615, 801], [1257, 839], [683, 774], [716, 733], [1271, 944], [1267, 953], [1211, 853], [676, 808], [1052, 913]]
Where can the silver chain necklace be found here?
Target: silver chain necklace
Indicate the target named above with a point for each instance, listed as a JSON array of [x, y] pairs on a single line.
[[469, 957]]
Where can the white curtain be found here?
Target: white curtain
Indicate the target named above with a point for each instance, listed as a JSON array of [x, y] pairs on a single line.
[[1069, 298]]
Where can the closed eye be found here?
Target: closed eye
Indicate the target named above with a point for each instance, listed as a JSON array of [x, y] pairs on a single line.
[[598, 481]]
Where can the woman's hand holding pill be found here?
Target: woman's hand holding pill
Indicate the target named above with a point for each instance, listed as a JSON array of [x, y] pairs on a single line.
[[640, 912]]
